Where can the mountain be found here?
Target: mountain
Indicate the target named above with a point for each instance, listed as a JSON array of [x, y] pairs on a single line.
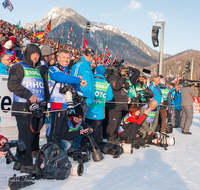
[[119, 42], [175, 65]]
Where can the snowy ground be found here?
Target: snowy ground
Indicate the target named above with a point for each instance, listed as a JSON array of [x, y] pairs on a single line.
[[146, 169]]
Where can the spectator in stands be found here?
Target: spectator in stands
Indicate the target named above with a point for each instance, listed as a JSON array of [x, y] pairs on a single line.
[[9, 49], [149, 125], [93, 65], [5, 62]]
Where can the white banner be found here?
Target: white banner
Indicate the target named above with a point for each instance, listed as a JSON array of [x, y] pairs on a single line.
[[5, 103]]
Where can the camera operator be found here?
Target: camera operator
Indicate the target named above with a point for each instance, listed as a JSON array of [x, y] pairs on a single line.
[[96, 112], [75, 128], [120, 89], [3, 140], [60, 79], [143, 93], [162, 112], [133, 76], [187, 93], [149, 125], [130, 125], [174, 106], [26, 82]]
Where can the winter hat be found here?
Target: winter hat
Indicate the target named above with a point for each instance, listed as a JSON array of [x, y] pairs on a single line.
[[134, 108], [46, 50], [100, 70], [25, 43], [1, 137], [79, 112], [8, 44], [12, 39]]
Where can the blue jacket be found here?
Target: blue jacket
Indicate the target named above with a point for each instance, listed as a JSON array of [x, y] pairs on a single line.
[[83, 69], [156, 93], [3, 69], [176, 101], [63, 77], [172, 92], [96, 110]]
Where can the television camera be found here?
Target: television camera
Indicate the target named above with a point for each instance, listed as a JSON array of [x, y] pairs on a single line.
[[189, 83], [116, 68]]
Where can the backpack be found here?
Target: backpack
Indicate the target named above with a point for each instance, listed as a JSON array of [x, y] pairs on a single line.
[[52, 162]]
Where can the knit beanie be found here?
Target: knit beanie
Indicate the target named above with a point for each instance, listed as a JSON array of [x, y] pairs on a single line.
[[100, 70], [8, 44]]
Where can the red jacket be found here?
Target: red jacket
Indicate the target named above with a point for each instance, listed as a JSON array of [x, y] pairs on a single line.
[[131, 118], [11, 53], [135, 119]]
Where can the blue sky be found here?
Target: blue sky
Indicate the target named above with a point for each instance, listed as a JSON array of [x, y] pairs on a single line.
[[182, 27]]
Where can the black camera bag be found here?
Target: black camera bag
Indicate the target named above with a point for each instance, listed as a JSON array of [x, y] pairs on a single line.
[[52, 162]]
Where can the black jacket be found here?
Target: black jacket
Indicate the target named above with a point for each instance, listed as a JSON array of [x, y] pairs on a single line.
[[119, 93], [73, 134], [16, 76]]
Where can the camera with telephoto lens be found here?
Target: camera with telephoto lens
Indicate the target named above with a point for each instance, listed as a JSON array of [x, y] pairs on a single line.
[[189, 83], [96, 153], [38, 108], [78, 98], [8, 145], [63, 89], [140, 134], [79, 156], [136, 144]]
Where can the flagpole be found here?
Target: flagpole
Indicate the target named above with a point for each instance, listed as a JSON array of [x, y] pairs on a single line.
[[82, 38]]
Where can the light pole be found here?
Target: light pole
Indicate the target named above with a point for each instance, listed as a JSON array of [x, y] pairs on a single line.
[[161, 46]]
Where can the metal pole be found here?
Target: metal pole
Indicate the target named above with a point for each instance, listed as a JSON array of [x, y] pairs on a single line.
[[161, 46], [82, 38], [192, 68]]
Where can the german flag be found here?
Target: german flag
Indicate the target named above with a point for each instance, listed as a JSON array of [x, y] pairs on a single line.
[[49, 26], [40, 34], [16, 60], [33, 35]]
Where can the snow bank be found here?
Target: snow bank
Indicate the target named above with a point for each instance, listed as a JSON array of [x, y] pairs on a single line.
[[146, 169]]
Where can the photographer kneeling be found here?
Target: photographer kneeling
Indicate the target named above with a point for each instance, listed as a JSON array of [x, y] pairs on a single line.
[[3, 140], [76, 127], [130, 125], [149, 125]]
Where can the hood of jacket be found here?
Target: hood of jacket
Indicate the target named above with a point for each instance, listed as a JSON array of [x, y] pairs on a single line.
[[99, 75], [32, 48]]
